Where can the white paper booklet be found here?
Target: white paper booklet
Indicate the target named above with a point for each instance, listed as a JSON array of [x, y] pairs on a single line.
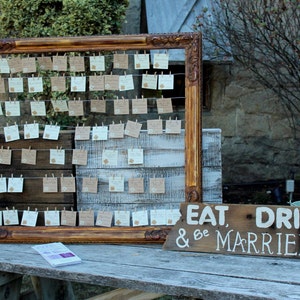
[[57, 254]]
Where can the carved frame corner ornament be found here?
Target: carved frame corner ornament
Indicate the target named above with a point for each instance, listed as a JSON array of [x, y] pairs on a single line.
[[192, 44]]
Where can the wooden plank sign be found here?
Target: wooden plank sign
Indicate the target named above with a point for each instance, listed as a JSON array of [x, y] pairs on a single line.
[[237, 229]]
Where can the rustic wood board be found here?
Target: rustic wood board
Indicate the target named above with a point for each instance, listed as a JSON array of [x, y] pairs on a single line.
[[150, 269]]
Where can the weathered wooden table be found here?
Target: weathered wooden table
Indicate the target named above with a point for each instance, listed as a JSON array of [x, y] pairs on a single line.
[[151, 269]]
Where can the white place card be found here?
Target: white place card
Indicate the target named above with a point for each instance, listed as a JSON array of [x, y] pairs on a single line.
[[29, 218], [161, 61], [51, 132], [122, 218], [4, 66], [141, 61], [11, 133], [140, 218], [97, 63], [12, 108], [35, 85], [110, 157], [99, 133], [166, 82], [15, 184], [126, 83], [3, 185], [82, 133], [38, 108], [116, 184], [172, 216], [15, 85], [31, 131], [1, 218], [10, 217], [51, 218], [158, 217], [57, 156], [135, 156], [104, 218], [149, 81], [78, 84]]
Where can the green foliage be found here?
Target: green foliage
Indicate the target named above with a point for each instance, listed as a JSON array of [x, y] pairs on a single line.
[[42, 18]]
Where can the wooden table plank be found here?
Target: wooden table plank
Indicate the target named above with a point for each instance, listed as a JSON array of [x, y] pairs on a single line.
[[151, 269]]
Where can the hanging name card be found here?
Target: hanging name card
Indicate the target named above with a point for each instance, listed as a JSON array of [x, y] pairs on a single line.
[[28, 156], [120, 61], [96, 83], [5, 156], [35, 84], [38, 108], [140, 218], [104, 218], [50, 185], [11, 133], [12, 108], [100, 133], [122, 218], [68, 218], [29, 218], [86, 218], [90, 185], [3, 185], [58, 84], [10, 217], [51, 218], [161, 61], [15, 184], [82, 133], [97, 63], [59, 63]]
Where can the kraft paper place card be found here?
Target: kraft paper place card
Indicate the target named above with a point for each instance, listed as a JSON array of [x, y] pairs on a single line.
[[116, 131], [35, 84], [38, 108], [15, 64], [5, 156], [99, 133], [173, 126], [10, 217], [3, 185], [120, 61], [60, 105], [75, 108], [28, 65], [78, 83], [15, 185], [110, 157], [45, 63], [121, 106], [158, 217], [97, 63], [141, 61], [57, 157], [2, 86], [12, 108], [82, 133], [4, 66], [157, 186], [11, 133], [96, 83], [121, 218], [76, 64], [67, 184], [136, 186], [29, 218], [166, 82], [161, 61], [57, 254], [149, 81], [126, 83], [139, 106], [104, 218], [79, 157], [111, 82], [28, 156], [51, 132], [50, 184], [86, 218], [135, 156], [133, 129], [116, 184], [59, 63], [140, 218], [68, 218], [155, 126], [164, 105], [90, 185], [98, 106], [52, 218], [31, 131], [58, 83]]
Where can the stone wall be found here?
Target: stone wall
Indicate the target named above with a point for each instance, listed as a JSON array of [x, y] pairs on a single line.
[[257, 141]]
